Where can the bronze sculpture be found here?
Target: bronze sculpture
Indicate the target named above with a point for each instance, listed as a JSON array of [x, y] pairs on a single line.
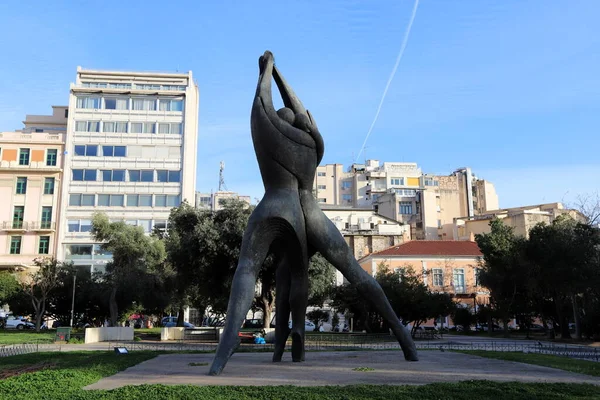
[[289, 222]]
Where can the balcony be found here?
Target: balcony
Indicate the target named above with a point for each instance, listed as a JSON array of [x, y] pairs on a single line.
[[32, 226], [42, 226], [35, 166], [14, 226], [376, 188]]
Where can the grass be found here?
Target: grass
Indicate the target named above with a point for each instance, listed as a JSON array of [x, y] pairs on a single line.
[[544, 360], [67, 373], [18, 337]]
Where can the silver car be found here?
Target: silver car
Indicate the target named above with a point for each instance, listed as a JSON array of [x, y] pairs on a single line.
[[18, 323]]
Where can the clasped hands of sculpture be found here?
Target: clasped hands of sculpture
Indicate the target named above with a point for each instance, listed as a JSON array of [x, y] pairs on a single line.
[[289, 223]]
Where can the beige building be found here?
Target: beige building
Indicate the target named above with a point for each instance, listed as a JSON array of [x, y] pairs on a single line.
[[522, 219], [445, 266], [214, 201], [365, 231], [31, 165], [400, 191], [130, 152]]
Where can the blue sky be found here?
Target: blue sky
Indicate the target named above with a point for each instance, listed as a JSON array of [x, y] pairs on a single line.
[[509, 88]]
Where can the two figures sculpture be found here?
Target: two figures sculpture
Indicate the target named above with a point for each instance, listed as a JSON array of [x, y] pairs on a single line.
[[289, 223]]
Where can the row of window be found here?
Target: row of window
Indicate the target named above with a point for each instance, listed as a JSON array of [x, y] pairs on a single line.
[[25, 157], [121, 200], [19, 213], [140, 86], [175, 128], [85, 225], [21, 187], [132, 175], [458, 277], [406, 207], [91, 150], [129, 103], [406, 192], [16, 243]]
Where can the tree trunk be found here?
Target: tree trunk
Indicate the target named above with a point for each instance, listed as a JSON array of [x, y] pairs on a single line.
[[36, 308], [490, 324], [267, 313], [577, 317], [40, 315], [505, 326], [180, 316], [113, 308]]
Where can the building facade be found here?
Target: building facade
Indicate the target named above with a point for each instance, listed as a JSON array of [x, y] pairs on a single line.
[[521, 219], [31, 165], [215, 201], [400, 191], [445, 266], [130, 152]]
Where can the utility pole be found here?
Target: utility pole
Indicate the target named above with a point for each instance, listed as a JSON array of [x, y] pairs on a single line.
[[73, 299]]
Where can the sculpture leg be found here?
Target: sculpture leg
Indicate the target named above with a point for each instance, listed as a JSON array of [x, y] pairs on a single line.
[[282, 305], [255, 247], [327, 240], [298, 300]]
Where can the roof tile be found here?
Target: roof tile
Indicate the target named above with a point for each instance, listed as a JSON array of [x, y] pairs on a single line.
[[433, 248]]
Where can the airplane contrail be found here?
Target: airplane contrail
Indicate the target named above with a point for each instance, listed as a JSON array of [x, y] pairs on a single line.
[[387, 86]]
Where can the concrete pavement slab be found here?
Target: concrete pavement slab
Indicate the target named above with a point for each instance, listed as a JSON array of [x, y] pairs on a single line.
[[334, 368]]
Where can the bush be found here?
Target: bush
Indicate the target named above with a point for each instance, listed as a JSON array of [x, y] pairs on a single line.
[[463, 317]]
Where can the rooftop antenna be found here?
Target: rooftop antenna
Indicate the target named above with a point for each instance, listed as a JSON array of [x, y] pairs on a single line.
[[221, 177]]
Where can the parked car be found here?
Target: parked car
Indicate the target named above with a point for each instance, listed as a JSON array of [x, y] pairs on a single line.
[[253, 324], [18, 323], [170, 322], [484, 327], [308, 326]]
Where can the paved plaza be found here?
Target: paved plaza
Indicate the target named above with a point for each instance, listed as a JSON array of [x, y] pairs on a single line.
[[334, 368]]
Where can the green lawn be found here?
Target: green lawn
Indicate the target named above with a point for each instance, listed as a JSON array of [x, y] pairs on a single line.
[[545, 360], [8, 336], [65, 374]]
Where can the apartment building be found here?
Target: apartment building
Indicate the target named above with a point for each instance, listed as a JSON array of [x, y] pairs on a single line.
[[521, 219], [130, 152], [215, 201], [31, 165], [401, 191]]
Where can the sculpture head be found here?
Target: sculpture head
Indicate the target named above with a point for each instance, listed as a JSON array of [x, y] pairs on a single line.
[[293, 119]]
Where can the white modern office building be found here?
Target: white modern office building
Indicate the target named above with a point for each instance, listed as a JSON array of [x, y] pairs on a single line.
[[130, 152]]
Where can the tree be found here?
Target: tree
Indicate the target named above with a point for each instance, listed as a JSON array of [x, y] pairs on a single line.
[[589, 205], [9, 286], [136, 256], [463, 317], [565, 254], [408, 295], [203, 249], [504, 269], [90, 296], [317, 317], [40, 284]]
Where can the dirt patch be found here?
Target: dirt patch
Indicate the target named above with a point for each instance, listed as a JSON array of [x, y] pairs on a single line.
[[16, 371]]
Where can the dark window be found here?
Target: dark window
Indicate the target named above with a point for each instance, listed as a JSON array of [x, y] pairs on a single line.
[[134, 176], [51, 156], [147, 176], [24, 157], [44, 245], [21, 185], [48, 185], [15, 245], [46, 218], [18, 217]]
